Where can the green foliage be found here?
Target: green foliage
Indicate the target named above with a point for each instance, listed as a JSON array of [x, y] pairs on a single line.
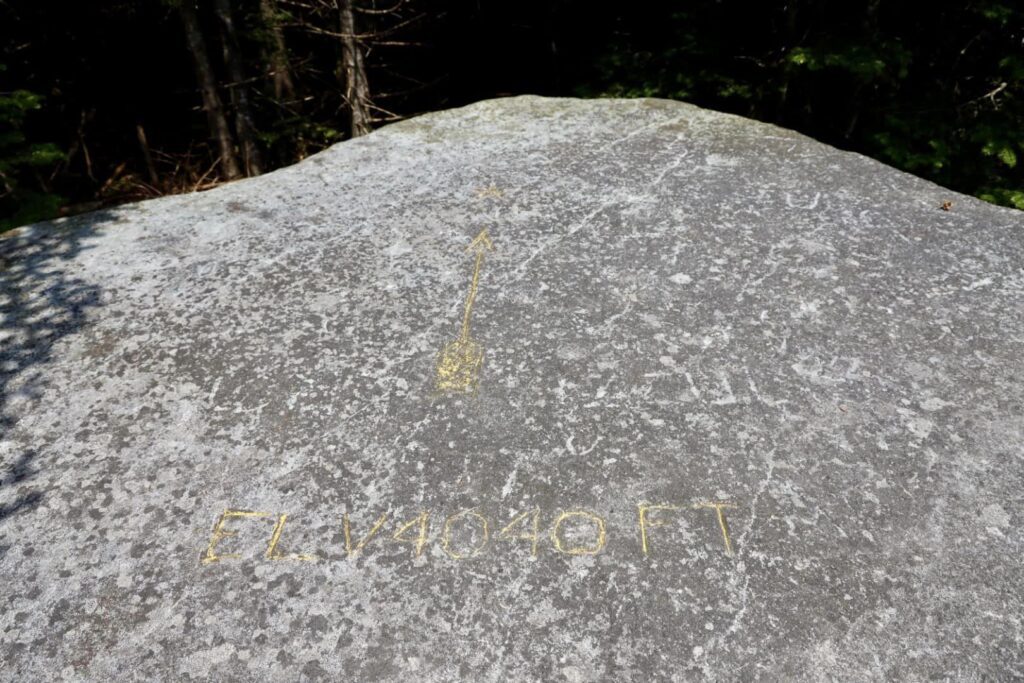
[[933, 87], [1001, 195], [936, 89], [20, 160]]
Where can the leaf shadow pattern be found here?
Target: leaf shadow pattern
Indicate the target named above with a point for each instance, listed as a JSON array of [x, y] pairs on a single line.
[[40, 304]]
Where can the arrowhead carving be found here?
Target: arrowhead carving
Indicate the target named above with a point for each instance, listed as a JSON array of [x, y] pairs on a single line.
[[481, 242]]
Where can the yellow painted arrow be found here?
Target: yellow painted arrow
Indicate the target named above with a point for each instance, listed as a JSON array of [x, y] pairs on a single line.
[[480, 244], [459, 363]]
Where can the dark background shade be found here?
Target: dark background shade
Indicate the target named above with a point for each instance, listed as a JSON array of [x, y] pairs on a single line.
[[934, 88]]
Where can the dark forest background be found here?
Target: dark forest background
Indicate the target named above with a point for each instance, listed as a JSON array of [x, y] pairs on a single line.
[[106, 101]]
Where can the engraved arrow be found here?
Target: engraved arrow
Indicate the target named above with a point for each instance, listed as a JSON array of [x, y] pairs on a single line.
[[480, 244], [459, 363]]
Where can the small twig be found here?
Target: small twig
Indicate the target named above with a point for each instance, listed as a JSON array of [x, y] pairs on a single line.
[[199, 182], [85, 149], [371, 105], [990, 95], [362, 10], [6, 184], [396, 43], [140, 133], [392, 29], [112, 178]]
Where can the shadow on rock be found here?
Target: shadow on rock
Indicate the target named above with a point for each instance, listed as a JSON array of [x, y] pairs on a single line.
[[40, 303]]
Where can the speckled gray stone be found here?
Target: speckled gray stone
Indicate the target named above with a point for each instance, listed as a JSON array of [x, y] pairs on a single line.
[[682, 308]]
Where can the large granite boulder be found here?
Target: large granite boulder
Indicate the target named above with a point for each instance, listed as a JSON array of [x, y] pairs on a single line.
[[531, 390]]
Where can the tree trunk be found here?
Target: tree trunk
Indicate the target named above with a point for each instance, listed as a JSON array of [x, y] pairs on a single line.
[[357, 90], [219, 129], [239, 89], [277, 53]]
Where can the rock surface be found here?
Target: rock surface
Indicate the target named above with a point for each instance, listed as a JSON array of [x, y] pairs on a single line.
[[720, 402]]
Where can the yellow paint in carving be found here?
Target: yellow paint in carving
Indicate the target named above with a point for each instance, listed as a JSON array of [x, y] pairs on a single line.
[[446, 535], [458, 366], [460, 361], [534, 535], [275, 538], [421, 538], [721, 520], [578, 550], [491, 191], [645, 523], [346, 526], [480, 244], [220, 533]]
